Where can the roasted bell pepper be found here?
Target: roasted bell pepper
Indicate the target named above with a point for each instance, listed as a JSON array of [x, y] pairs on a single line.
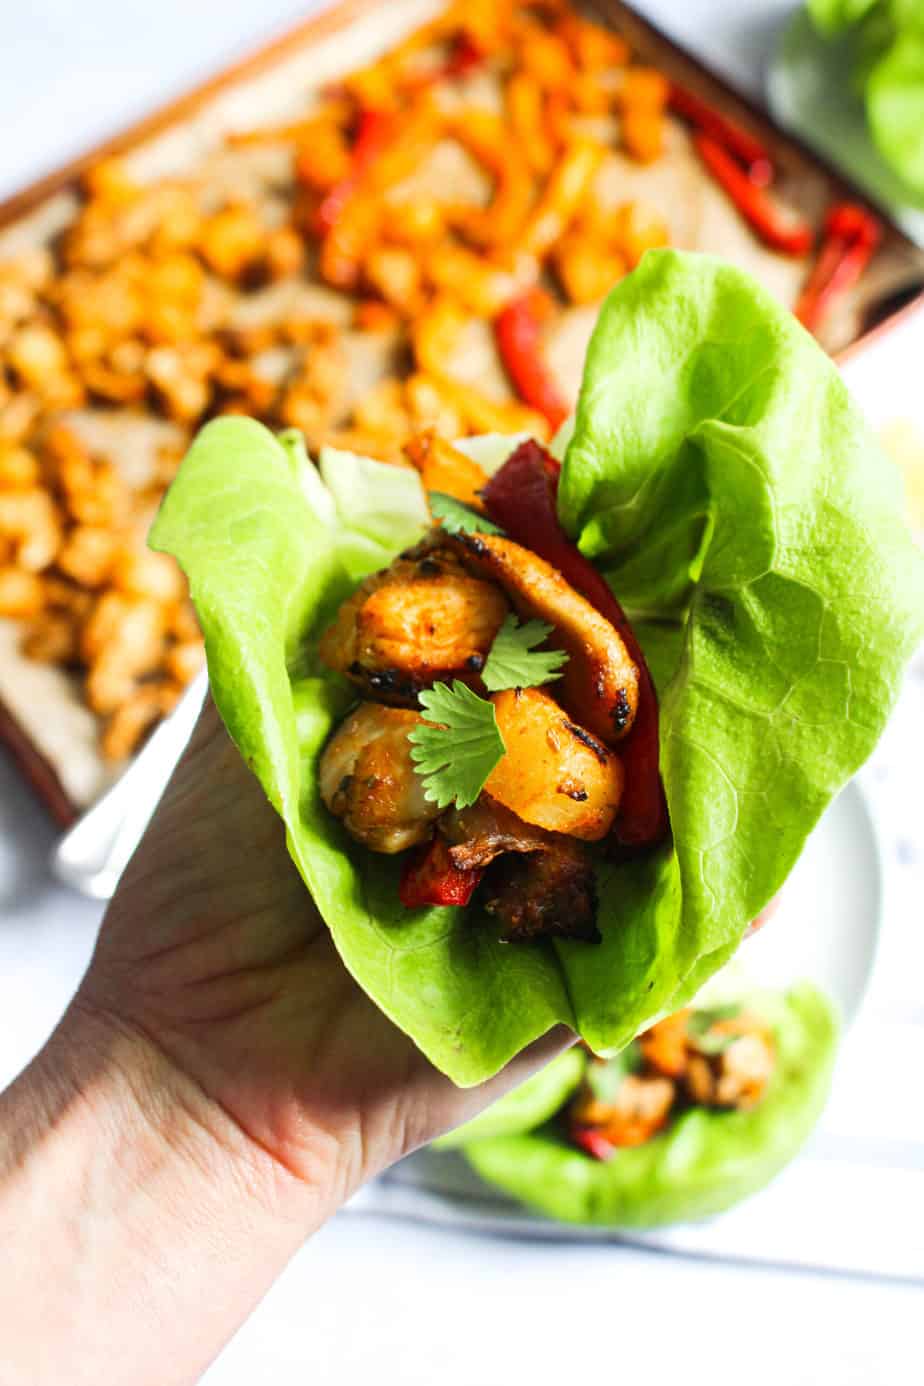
[[592, 1142], [466, 57], [373, 131], [518, 333], [746, 147], [779, 231], [429, 878], [521, 497], [851, 235]]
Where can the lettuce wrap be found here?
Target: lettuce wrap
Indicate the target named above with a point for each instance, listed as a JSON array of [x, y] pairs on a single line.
[[707, 1159], [721, 479], [883, 43]]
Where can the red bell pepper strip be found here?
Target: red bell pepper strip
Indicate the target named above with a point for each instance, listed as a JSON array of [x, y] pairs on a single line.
[[518, 333], [851, 236], [430, 878], [372, 134], [465, 57], [521, 497], [746, 147], [788, 236], [592, 1142]]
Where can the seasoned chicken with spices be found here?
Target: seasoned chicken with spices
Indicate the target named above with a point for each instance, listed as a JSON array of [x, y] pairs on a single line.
[[368, 779], [424, 618], [600, 683]]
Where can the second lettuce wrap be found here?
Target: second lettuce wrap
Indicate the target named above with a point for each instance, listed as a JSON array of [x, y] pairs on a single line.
[[705, 1162]]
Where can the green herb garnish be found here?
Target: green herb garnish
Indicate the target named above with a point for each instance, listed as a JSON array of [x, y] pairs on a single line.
[[457, 517], [515, 663], [457, 756]]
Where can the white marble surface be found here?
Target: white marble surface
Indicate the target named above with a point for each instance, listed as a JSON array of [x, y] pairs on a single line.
[[368, 1298]]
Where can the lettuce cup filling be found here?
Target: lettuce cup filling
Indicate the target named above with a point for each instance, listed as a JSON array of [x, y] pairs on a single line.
[[700, 1111], [587, 701]]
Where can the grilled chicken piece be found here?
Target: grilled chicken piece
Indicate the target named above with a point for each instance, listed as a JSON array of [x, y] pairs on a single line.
[[368, 779], [599, 687], [730, 1063], [554, 774], [540, 884], [423, 619], [486, 830]]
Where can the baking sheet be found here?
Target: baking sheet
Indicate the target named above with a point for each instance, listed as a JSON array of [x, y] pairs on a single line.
[[42, 715]]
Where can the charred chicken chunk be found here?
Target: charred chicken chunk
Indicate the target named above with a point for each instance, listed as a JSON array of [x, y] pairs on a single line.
[[480, 834], [548, 894], [540, 884], [423, 619], [599, 687], [368, 779], [554, 774]]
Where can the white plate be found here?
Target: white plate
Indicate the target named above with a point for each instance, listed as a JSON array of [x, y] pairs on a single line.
[[810, 92], [827, 930]]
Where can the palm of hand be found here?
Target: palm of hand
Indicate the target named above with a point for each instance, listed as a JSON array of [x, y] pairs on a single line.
[[213, 948]]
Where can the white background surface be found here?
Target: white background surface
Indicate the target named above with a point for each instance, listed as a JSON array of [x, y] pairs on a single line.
[[369, 1299]]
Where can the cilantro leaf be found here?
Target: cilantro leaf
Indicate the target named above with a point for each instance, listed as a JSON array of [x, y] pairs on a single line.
[[459, 518], [456, 757], [514, 662]]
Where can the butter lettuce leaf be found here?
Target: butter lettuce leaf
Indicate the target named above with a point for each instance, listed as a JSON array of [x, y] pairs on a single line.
[[704, 1162], [528, 1106], [712, 430], [895, 106], [833, 16], [881, 43], [720, 477]]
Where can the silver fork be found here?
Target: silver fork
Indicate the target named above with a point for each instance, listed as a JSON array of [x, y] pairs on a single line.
[[93, 854]]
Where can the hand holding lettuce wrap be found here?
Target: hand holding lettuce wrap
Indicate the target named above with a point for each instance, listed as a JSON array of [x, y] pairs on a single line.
[[721, 484]]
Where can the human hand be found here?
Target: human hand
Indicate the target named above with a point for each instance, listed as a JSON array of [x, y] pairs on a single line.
[[213, 950], [216, 1090]]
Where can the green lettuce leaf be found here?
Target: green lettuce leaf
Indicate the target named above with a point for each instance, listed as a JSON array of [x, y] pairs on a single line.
[[834, 16], [796, 595], [723, 481], [881, 43], [380, 509], [527, 1107], [895, 106], [703, 1163]]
